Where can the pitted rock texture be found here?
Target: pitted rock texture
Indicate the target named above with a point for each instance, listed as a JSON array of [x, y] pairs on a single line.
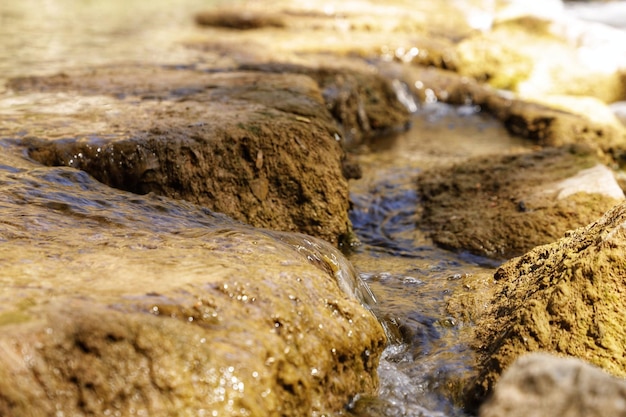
[[114, 303], [565, 297], [503, 206]]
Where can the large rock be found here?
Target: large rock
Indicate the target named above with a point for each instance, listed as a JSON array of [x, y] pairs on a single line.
[[363, 102], [119, 304], [541, 385], [503, 206], [259, 147], [564, 297]]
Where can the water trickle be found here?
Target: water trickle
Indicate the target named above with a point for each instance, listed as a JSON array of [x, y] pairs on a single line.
[[428, 354]]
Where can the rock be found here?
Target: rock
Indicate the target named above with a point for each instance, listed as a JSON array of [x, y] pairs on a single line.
[[549, 120], [503, 206], [552, 121], [259, 147], [542, 385], [114, 303], [564, 297], [239, 19], [364, 103], [537, 56]]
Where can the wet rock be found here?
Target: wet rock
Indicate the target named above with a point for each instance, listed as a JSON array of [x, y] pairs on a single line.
[[541, 385], [536, 55], [259, 147], [549, 120], [115, 303], [564, 297], [364, 103], [503, 206], [239, 19]]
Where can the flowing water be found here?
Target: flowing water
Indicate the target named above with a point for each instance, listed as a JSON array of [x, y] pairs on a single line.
[[409, 276]]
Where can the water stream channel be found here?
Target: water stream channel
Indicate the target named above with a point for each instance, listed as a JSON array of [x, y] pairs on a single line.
[[408, 274]]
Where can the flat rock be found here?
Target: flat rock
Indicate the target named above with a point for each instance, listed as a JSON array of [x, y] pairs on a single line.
[[503, 206], [115, 303], [540, 55], [542, 385], [564, 297], [259, 147]]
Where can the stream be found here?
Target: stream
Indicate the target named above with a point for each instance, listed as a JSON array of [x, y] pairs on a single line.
[[409, 276]]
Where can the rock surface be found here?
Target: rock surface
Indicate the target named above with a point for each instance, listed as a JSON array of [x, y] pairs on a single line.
[[261, 148], [538, 56], [502, 207], [541, 385], [549, 120], [114, 303], [564, 297]]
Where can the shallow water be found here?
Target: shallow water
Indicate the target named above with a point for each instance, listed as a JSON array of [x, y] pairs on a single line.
[[408, 275]]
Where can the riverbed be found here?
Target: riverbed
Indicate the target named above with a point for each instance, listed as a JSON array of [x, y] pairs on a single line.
[[410, 277]]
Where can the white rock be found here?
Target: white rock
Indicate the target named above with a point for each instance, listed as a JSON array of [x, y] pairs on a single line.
[[596, 180], [542, 385]]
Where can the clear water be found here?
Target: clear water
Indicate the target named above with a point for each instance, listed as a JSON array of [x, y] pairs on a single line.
[[408, 275]]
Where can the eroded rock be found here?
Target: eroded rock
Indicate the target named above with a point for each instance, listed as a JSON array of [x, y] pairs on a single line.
[[363, 102], [503, 206], [114, 303], [259, 147], [564, 297], [239, 19]]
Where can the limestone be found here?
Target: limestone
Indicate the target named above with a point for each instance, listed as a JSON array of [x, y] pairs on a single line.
[[364, 103], [238, 19], [539, 55], [261, 148], [503, 206], [542, 385], [114, 303], [564, 297]]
